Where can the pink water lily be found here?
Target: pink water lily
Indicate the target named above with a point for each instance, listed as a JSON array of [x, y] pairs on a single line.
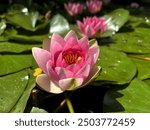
[[69, 63], [91, 25], [74, 8], [94, 6]]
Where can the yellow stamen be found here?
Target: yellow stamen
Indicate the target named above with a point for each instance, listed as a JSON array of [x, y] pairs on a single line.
[[79, 58], [71, 57], [37, 72]]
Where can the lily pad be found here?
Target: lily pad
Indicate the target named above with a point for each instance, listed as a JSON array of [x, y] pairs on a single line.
[[16, 47], [25, 20], [138, 21], [3, 39], [133, 98], [12, 34], [59, 24], [11, 88], [115, 20], [13, 63], [133, 42], [143, 67], [22, 102], [38, 110], [116, 67], [147, 81]]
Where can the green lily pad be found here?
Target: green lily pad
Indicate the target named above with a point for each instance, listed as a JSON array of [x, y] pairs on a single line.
[[12, 34], [115, 20], [59, 24], [38, 110], [11, 88], [133, 98], [15, 47], [147, 81], [3, 39], [2, 27], [22, 102], [136, 41], [25, 20], [139, 21], [143, 67], [14, 63], [116, 67]]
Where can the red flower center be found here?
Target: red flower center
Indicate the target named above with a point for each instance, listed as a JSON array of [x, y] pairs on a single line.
[[71, 57]]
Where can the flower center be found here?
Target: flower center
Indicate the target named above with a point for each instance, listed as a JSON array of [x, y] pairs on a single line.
[[71, 57]]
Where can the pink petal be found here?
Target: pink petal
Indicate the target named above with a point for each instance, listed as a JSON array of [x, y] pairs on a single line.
[[57, 45], [46, 84], [83, 72], [63, 73], [93, 74], [71, 36], [71, 42], [71, 45], [70, 83], [89, 60], [74, 67], [84, 44], [42, 57], [81, 26], [94, 52], [59, 59], [52, 74], [89, 31], [97, 26]]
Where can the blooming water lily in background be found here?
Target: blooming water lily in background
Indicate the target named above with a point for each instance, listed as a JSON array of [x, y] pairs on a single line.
[[68, 63], [91, 25], [74, 8], [94, 6]]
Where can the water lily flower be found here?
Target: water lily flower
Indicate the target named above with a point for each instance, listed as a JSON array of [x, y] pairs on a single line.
[[91, 25], [74, 8], [94, 6], [69, 63]]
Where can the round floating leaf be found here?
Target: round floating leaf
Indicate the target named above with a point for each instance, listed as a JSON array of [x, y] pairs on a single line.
[[138, 21], [11, 88], [14, 63], [147, 81], [16, 47], [133, 98], [12, 34], [59, 24], [136, 41], [115, 20], [22, 102], [24, 20], [116, 67], [3, 38], [143, 66], [38, 110]]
